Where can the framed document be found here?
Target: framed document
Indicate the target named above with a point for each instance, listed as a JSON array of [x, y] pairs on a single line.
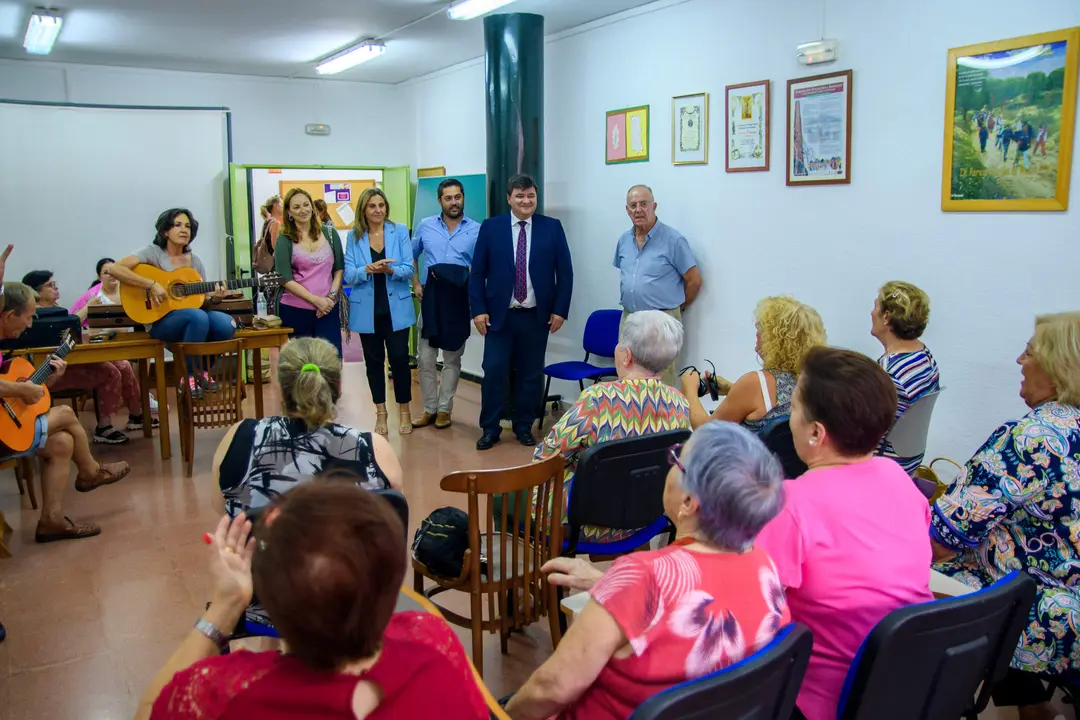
[[690, 129], [819, 129], [627, 137], [747, 109], [1010, 110]]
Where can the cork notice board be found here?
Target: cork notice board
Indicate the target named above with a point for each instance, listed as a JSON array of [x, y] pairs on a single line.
[[341, 196]]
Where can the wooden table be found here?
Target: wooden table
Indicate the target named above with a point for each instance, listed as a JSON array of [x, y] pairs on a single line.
[[126, 346], [256, 341]]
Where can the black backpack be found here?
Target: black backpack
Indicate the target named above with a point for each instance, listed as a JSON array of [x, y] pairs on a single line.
[[441, 541]]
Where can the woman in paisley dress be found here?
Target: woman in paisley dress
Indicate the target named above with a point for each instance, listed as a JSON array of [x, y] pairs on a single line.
[[660, 617], [1017, 507]]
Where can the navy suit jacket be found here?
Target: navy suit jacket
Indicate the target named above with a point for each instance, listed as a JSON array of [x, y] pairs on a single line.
[[491, 284]]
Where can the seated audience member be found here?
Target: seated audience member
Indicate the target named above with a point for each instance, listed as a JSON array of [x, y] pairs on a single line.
[[638, 403], [329, 566], [59, 439], [786, 330], [258, 460], [660, 617], [851, 543], [85, 299], [114, 383], [900, 314], [1016, 508]]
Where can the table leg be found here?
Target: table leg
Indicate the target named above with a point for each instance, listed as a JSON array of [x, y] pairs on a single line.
[[163, 405], [256, 357], [144, 393]]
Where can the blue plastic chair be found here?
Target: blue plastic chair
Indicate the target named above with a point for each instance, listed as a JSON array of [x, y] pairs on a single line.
[[601, 337], [926, 661], [762, 686]]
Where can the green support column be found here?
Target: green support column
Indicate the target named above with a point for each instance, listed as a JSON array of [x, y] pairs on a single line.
[[514, 60]]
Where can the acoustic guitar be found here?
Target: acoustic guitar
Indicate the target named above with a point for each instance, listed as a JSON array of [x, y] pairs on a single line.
[[183, 288], [17, 419]]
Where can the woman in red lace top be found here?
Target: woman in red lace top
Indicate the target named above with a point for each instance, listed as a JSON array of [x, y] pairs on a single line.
[[328, 568], [658, 618]]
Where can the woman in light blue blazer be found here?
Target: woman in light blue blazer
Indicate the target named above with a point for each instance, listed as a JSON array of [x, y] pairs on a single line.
[[379, 267]]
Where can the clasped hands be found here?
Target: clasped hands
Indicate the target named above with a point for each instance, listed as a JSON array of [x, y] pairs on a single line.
[[380, 267]]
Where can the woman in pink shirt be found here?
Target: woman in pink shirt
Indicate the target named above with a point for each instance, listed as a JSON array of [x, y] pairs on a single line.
[[851, 544]]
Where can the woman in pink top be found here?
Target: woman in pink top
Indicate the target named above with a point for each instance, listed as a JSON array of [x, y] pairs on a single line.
[[851, 544], [312, 265], [661, 617]]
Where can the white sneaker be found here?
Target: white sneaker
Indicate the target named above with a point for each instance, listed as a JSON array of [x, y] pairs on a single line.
[[153, 405]]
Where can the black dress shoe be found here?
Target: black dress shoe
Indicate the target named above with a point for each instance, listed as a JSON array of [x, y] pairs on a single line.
[[487, 441], [525, 437]]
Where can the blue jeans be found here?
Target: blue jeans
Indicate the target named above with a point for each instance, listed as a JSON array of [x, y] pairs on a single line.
[[193, 326], [304, 323]]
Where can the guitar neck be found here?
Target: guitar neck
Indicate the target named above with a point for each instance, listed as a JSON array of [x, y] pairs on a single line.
[[202, 288], [46, 369]]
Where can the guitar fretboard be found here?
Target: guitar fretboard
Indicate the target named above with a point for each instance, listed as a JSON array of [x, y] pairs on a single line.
[[45, 370], [203, 288]]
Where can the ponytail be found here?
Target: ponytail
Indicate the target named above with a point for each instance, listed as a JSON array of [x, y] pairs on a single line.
[[309, 372]]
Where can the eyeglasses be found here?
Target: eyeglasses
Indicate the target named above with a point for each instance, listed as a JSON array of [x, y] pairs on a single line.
[[673, 453]]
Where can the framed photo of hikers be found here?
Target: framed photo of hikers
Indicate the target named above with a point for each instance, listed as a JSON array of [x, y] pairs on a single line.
[[1010, 110]]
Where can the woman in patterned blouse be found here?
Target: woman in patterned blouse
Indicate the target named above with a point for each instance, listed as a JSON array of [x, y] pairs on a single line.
[[1017, 507], [898, 320], [638, 403]]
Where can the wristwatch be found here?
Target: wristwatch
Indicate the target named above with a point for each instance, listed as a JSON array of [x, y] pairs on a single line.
[[211, 631]]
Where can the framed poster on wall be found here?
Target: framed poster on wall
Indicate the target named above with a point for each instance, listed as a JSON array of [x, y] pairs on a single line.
[[819, 129], [1010, 111], [747, 111], [627, 135]]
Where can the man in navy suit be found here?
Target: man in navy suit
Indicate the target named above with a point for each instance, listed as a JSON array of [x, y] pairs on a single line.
[[519, 292]]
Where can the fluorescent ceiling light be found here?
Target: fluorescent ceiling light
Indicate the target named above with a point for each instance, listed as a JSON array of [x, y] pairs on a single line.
[[469, 9], [367, 50], [42, 31]]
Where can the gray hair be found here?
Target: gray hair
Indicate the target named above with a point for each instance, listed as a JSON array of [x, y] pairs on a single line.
[[641, 187], [653, 337], [737, 481]]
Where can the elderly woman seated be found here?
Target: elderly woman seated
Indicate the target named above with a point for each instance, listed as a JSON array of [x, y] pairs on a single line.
[[638, 403], [329, 562], [660, 617], [786, 330], [898, 320], [850, 544], [1017, 507]]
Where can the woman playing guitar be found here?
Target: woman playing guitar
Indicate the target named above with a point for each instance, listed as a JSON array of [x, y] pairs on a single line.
[[171, 250]]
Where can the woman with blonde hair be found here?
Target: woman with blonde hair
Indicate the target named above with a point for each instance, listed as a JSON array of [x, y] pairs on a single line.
[[379, 267], [1017, 507], [786, 331], [898, 319]]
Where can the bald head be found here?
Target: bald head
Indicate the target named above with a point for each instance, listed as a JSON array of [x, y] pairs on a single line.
[[641, 207]]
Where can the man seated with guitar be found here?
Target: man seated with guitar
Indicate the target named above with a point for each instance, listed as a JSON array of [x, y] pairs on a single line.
[[58, 438], [191, 320]]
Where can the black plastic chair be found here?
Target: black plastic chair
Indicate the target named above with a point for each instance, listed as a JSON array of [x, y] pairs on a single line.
[[777, 437], [619, 484], [761, 687], [927, 661]]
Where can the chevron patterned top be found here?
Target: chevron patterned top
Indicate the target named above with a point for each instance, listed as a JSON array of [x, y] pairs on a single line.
[[610, 411]]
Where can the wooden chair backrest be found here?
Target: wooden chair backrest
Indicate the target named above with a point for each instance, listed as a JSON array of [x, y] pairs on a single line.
[[514, 558], [221, 362]]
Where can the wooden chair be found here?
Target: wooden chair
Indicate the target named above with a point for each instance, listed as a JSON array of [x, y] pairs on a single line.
[[24, 476], [204, 408], [509, 576]]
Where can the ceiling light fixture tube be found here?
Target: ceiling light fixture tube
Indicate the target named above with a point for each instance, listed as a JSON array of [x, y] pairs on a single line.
[[42, 31], [367, 50], [469, 9]]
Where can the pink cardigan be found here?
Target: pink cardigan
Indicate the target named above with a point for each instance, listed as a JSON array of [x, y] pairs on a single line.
[[85, 299]]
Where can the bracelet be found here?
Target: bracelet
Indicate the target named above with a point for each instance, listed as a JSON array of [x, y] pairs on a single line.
[[332, 295], [212, 633]]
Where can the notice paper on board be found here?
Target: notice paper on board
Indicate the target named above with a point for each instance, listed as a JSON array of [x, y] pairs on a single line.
[[337, 193], [345, 212]]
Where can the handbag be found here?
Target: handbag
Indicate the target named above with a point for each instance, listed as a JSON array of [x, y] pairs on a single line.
[[926, 472]]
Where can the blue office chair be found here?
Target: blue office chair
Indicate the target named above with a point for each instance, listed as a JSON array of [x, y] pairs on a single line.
[[760, 687], [926, 661], [777, 437], [601, 337]]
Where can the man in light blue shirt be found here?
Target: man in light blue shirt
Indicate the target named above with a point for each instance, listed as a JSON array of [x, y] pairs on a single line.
[[656, 267], [445, 239]]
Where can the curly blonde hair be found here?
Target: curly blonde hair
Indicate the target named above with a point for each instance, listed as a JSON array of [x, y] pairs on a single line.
[[1056, 346], [907, 306], [788, 330]]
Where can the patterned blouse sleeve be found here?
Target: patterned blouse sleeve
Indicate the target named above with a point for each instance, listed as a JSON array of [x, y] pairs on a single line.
[[571, 433], [1007, 472], [204, 690], [627, 591]]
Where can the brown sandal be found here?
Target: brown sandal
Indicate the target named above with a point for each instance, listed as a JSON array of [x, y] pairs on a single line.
[[107, 474], [71, 531]]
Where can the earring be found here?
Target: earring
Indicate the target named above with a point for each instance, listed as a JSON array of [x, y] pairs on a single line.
[[813, 442]]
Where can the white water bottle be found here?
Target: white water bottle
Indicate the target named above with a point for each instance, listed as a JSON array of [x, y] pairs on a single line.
[[260, 304]]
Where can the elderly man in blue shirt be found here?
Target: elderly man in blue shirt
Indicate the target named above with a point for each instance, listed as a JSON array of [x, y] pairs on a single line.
[[657, 270], [447, 242]]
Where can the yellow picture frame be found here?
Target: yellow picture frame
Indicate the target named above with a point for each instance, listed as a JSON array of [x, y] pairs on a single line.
[[994, 106]]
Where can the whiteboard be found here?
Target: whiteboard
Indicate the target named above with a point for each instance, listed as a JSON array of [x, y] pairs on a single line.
[[78, 184]]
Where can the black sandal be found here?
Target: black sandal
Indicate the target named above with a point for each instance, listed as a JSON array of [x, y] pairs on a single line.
[[108, 435]]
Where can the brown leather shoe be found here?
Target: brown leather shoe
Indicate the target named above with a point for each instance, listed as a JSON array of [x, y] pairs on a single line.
[[425, 420], [442, 421]]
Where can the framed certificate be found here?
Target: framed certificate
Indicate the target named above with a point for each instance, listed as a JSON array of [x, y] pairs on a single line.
[[690, 129], [747, 109], [819, 129]]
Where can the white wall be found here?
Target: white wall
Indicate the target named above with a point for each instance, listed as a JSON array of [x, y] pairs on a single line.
[[987, 274], [268, 114]]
